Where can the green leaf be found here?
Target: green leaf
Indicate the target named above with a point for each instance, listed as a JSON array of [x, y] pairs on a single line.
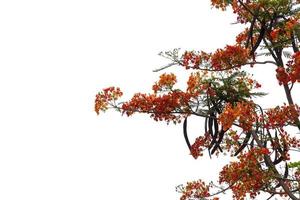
[[294, 165]]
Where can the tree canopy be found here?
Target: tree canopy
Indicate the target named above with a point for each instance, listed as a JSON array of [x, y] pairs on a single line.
[[220, 90]]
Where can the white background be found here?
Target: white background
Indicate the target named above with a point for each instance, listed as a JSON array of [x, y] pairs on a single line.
[[55, 56]]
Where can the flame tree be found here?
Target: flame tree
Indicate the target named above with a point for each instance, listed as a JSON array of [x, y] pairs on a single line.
[[221, 91]]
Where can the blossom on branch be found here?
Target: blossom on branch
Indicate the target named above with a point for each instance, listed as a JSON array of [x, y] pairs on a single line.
[[105, 97]]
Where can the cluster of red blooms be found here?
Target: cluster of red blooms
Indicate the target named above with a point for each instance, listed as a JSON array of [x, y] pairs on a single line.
[[220, 4], [105, 97], [242, 37], [199, 145], [246, 176], [292, 73], [231, 141], [194, 60], [281, 116], [161, 107], [290, 25], [229, 57], [289, 141], [282, 75], [242, 15], [284, 31], [232, 56], [294, 68], [228, 116], [194, 84], [274, 34], [285, 142], [196, 190], [243, 111], [166, 81], [251, 82], [169, 105]]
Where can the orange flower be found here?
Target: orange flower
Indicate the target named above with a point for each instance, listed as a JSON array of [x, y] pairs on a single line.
[[193, 60], [242, 37], [246, 175], [194, 84], [281, 116], [196, 190], [282, 75], [105, 97], [290, 25], [164, 107], [230, 57], [294, 68], [166, 81], [199, 145], [243, 112], [274, 33]]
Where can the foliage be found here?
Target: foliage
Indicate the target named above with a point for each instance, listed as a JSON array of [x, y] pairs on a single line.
[[220, 91]]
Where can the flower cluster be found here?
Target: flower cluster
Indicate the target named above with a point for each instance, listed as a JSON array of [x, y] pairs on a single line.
[[243, 15], [243, 111], [282, 75], [285, 142], [289, 141], [245, 9], [242, 37], [279, 117], [230, 57], [223, 4], [291, 24], [231, 141], [274, 34], [295, 68], [246, 176], [220, 4], [283, 31], [196, 190], [199, 145], [193, 60], [228, 116], [165, 107], [293, 73], [166, 81], [105, 97], [196, 84]]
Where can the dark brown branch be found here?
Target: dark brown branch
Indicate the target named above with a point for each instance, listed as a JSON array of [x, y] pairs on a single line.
[[270, 50], [260, 37], [250, 34]]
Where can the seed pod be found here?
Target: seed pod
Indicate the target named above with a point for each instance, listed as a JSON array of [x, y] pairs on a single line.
[[244, 144], [185, 134]]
